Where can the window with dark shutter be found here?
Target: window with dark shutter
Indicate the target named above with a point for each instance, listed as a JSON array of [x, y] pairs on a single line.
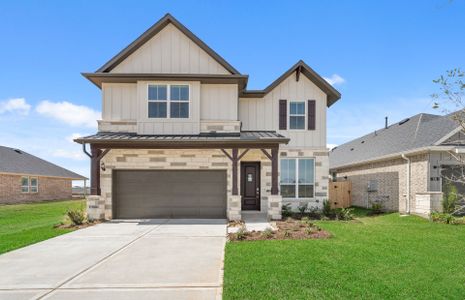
[[282, 114], [311, 115]]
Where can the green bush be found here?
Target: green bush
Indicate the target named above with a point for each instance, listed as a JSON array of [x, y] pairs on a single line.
[[447, 218], [241, 233], [303, 206], [286, 210], [77, 216], [450, 198], [376, 207], [345, 214], [327, 211]]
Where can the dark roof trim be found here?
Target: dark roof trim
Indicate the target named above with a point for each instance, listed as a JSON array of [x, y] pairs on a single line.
[[332, 94], [152, 31], [99, 78]]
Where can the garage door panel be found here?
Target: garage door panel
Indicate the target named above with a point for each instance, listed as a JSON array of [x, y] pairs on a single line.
[[169, 193]]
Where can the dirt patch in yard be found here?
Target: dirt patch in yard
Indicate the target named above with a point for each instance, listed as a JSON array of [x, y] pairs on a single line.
[[290, 229]]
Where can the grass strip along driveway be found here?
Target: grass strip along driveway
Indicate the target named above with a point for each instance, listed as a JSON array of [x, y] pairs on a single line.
[[383, 257], [25, 224]]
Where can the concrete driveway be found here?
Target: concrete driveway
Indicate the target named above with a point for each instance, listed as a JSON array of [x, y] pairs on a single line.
[[152, 259]]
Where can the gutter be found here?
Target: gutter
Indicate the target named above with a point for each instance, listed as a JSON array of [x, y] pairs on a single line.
[[407, 208]]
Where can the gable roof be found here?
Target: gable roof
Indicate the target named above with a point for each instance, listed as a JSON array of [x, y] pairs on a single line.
[[303, 68], [152, 31], [19, 162], [419, 131]]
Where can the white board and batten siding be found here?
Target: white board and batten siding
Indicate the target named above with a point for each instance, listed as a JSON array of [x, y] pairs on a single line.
[[263, 113], [219, 102], [119, 101], [170, 51]]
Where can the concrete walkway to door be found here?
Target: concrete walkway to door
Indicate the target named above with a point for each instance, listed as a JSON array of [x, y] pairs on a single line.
[[147, 259]]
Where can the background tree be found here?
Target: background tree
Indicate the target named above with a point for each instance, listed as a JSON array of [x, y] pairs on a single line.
[[451, 100]]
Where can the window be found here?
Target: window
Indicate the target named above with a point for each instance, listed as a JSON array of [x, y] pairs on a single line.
[[296, 115], [297, 177], [33, 188], [158, 101], [29, 184], [24, 184], [168, 100], [179, 105]]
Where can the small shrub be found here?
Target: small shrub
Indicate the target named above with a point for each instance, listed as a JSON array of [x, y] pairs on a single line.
[[310, 230], [314, 212], [303, 206], [327, 211], [76, 216], [450, 199], [447, 218], [286, 210], [345, 214], [376, 208], [306, 221], [267, 233], [241, 234], [287, 233]]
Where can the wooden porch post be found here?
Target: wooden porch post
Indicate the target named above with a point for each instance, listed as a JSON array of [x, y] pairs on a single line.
[[234, 171], [274, 171], [95, 170]]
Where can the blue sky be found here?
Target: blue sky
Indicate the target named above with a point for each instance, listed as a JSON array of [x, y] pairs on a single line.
[[385, 54]]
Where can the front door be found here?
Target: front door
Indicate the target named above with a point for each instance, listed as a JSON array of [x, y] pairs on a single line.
[[250, 185]]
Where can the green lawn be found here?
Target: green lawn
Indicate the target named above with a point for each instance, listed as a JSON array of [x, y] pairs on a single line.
[[25, 224], [384, 257]]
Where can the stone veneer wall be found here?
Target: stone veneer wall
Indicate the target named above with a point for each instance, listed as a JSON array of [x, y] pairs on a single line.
[[209, 159], [49, 188], [391, 177]]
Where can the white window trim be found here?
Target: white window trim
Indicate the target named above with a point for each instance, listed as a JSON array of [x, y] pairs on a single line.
[[296, 184], [168, 100], [297, 115], [23, 186], [30, 185]]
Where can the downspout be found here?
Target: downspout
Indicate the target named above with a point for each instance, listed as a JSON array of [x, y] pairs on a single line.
[[407, 209]]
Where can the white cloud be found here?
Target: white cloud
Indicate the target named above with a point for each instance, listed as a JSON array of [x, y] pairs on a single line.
[[18, 105], [71, 154], [335, 79], [69, 113]]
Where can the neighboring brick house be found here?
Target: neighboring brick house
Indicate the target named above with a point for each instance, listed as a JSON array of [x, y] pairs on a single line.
[[182, 137], [27, 178], [406, 160]]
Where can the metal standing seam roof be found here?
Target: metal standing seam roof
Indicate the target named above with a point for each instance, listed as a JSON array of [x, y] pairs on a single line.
[[19, 162], [419, 131], [244, 136]]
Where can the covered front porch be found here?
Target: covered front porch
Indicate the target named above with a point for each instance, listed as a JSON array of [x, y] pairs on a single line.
[[247, 158]]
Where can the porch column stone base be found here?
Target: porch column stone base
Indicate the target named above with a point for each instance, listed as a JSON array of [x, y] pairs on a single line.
[[234, 208], [95, 207], [274, 207]]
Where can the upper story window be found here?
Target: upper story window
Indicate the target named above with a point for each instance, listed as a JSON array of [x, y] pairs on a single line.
[[296, 115], [168, 101]]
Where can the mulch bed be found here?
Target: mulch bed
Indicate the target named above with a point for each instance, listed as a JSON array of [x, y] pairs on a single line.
[[290, 229], [75, 227]]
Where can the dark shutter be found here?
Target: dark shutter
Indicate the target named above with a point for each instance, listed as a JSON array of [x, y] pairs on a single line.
[[311, 118], [283, 114]]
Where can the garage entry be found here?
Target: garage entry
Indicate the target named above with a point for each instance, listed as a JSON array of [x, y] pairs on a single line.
[[139, 194]]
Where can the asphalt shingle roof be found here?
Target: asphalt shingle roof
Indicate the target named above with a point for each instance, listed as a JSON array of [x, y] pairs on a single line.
[[20, 162], [419, 131]]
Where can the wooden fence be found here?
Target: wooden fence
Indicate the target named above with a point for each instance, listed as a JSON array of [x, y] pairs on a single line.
[[340, 194]]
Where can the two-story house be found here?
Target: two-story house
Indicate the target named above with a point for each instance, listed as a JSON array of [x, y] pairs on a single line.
[[182, 137]]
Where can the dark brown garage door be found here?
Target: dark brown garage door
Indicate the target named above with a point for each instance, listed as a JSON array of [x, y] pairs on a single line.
[[169, 194]]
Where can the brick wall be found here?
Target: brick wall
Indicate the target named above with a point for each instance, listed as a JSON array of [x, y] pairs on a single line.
[[49, 188], [391, 178]]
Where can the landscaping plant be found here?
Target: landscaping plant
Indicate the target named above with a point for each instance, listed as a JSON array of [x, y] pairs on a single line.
[[286, 210], [327, 211], [303, 206], [77, 216]]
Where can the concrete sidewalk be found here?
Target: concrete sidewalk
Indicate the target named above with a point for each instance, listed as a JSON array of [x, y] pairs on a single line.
[[147, 259]]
